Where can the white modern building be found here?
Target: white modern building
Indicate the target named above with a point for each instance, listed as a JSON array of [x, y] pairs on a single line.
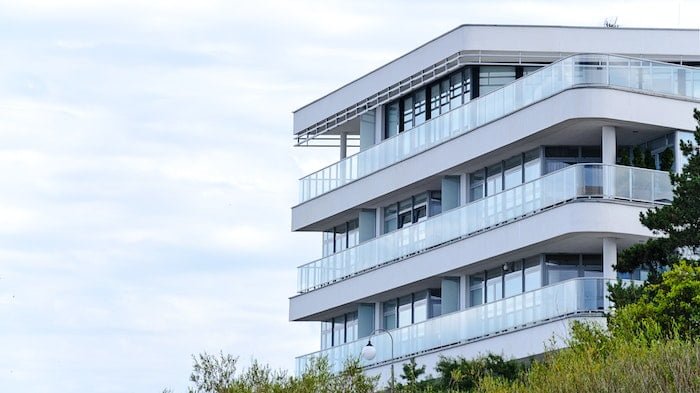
[[488, 201]]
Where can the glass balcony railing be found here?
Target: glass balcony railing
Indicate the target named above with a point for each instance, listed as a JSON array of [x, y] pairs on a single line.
[[579, 70], [578, 295], [589, 181]]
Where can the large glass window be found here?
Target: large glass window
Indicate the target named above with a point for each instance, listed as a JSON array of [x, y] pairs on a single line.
[[420, 306], [435, 303], [533, 273], [328, 243], [419, 107], [407, 113], [435, 100], [390, 218], [513, 279], [476, 185], [476, 289], [326, 334], [405, 311], [494, 284], [435, 203], [561, 267], [512, 172], [351, 327], [391, 126], [405, 212], [494, 181], [456, 81], [341, 241], [353, 233], [494, 77], [531, 167], [558, 157], [420, 207], [592, 265], [389, 314], [339, 330]]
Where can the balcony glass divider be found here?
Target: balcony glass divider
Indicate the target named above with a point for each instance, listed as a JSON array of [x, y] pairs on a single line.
[[576, 182], [575, 71]]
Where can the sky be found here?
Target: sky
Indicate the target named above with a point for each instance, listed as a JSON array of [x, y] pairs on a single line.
[[147, 171]]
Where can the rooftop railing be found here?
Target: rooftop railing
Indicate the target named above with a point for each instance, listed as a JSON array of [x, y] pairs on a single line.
[[571, 297], [581, 181], [578, 70]]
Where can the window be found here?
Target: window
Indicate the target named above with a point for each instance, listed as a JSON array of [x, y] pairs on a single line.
[[353, 233], [513, 279], [435, 100], [420, 307], [407, 113], [435, 303], [561, 267], [419, 107], [558, 157], [494, 284], [391, 126], [326, 334], [351, 327], [341, 241], [339, 330], [592, 265], [494, 77], [328, 243], [476, 289], [405, 311], [390, 218], [456, 82], [513, 173], [531, 167], [476, 185], [494, 181], [412, 210], [389, 316], [533, 273]]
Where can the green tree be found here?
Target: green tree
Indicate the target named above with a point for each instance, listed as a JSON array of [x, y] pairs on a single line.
[[678, 224], [638, 157], [666, 159], [649, 161], [625, 157], [411, 374]]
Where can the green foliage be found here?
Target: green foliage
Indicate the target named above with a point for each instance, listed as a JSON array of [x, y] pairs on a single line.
[[465, 375], [598, 361], [673, 304], [621, 294], [666, 159], [649, 161], [638, 157], [678, 222], [625, 157], [411, 375], [212, 374]]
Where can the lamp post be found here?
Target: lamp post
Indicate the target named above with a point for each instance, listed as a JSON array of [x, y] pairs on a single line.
[[369, 352]]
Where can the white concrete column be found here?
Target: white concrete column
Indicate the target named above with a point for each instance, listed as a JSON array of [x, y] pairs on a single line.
[[609, 145], [609, 257], [463, 189], [343, 145]]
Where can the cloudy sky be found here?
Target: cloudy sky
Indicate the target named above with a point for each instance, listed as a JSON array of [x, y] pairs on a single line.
[[147, 171]]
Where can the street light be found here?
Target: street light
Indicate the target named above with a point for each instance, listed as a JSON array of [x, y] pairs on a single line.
[[369, 352]]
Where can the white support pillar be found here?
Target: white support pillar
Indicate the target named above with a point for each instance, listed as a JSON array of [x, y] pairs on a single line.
[[463, 189], [609, 257], [378, 315], [609, 145], [343, 145]]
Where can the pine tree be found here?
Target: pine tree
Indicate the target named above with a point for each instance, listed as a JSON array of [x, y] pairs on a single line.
[[677, 223]]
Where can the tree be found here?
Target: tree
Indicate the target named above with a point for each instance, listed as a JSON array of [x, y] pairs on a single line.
[[673, 305], [678, 224], [666, 159], [638, 157], [649, 161], [625, 157], [411, 374]]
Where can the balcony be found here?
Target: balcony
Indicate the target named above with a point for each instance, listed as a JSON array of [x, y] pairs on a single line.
[[618, 72], [582, 182], [567, 298]]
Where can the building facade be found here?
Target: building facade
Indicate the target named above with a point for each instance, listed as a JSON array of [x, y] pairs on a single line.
[[500, 169]]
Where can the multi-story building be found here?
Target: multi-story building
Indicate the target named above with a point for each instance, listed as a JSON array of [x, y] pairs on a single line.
[[492, 189]]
